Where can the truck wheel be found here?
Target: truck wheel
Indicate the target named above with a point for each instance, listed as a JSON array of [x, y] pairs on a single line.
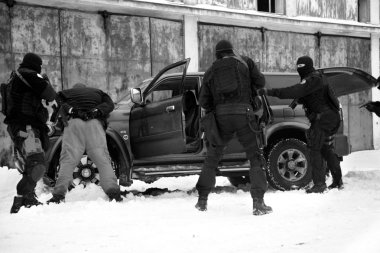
[[239, 180], [84, 173], [289, 165]]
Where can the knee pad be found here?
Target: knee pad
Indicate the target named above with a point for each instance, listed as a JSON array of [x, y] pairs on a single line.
[[38, 172], [35, 166]]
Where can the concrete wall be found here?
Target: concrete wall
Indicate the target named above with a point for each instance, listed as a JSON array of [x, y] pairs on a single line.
[[334, 9], [112, 53]]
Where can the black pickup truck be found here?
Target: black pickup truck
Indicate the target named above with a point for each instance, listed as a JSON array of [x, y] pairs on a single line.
[[154, 131]]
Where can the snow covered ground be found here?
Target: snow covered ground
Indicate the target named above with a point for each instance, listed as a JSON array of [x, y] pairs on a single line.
[[338, 221]]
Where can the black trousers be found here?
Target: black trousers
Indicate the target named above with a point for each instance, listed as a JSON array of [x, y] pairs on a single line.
[[321, 147], [228, 125], [34, 163]]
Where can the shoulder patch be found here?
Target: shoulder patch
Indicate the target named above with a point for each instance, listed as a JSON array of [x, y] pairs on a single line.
[[303, 81], [39, 76]]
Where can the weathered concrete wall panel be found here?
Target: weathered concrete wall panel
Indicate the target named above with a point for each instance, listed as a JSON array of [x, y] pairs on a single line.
[[231, 4], [352, 10], [5, 43], [83, 50], [335, 9], [209, 35], [333, 51], [360, 124], [246, 41], [129, 60], [353, 52], [32, 30], [166, 43], [36, 30], [283, 49], [5, 68]]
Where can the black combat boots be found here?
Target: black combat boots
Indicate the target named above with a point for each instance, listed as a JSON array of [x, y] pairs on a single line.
[[30, 199], [202, 203], [259, 207], [336, 184], [27, 200], [17, 204], [317, 188]]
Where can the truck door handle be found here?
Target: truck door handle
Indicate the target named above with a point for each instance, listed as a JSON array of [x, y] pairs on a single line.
[[170, 108]]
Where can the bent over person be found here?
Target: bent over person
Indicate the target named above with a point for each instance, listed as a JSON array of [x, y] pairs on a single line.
[[87, 109], [27, 128], [228, 89], [322, 109]]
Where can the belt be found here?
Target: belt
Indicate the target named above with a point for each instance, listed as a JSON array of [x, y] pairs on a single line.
[[226, 109]]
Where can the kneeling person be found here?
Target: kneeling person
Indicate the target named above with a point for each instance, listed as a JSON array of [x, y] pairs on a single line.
[[87, 109]]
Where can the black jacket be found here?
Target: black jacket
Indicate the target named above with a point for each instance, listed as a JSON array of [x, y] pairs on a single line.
[[29, 109], [311, 92], [87, 99]]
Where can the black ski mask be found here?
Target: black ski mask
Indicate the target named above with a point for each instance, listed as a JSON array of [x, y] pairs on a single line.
[[304, 66], [32, 61]]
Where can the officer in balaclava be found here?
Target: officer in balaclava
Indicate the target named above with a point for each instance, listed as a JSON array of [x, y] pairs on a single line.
[[322, 109], [27, 126]]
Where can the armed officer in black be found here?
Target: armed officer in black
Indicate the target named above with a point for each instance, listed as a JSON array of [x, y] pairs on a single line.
[[27, 112], [228, 89], [322, 110]]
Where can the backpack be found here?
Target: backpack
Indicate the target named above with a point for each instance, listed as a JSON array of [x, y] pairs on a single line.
[[228, 78], [6, 90], [6, 95]]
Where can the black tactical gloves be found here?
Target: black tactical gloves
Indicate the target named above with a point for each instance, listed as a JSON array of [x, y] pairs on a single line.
[[262, 91], [373, 107], [94, 114]]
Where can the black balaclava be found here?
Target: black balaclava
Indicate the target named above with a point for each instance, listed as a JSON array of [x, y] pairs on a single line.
[[32, 61], [304, 66], [222, 48]]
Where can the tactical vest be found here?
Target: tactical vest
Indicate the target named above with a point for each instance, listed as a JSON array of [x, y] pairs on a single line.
[[28, 104], [231, 81], [318, 101]]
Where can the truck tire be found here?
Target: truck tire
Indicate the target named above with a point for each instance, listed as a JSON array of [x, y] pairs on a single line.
[[289, 166]]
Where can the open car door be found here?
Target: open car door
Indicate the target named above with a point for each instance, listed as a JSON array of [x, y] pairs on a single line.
[[345, 80], [156, 124]]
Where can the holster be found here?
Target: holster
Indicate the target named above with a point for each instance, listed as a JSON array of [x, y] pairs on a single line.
[[257, 128]]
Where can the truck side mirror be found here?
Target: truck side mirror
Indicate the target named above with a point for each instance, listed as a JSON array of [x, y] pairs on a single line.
[[136, 96]]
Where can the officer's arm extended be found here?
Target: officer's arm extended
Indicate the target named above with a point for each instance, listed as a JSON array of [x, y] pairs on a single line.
[[304, 88], [41, 86]]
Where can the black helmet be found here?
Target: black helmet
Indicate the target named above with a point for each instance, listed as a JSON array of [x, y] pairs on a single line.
[[32, 61], [223, 45]]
